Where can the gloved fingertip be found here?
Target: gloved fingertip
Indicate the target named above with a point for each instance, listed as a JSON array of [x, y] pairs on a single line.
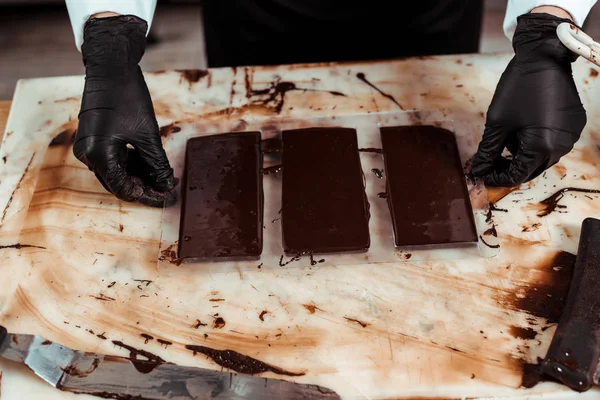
[[153, 198]]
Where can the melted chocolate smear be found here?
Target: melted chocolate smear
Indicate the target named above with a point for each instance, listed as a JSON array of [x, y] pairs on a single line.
[[523, 333], [144, 366], [198, 324], [73, 371], [546, 298], [219, 323], [112, 284], [101, 336], [378, 173], [551, 203], [108, 395], [491, 246], [262, 315], [166, 130], [492, 207], [193, 75], [363, 78], [371, 150], [491, 232], [103, 297], [46, 343], [363, 324], [165, 343], [311, 308], [239, 362], [20, 246], [275, 93], [272, 170], [66, 137], [146, 337]]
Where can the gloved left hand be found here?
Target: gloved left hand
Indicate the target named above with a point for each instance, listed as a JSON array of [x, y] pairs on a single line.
[[536, 112], [118, 136]]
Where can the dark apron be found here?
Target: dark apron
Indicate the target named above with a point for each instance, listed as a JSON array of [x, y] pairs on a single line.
[[271, 32]]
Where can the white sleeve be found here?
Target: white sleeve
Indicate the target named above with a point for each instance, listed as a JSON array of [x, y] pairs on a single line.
[[579, 9], [81, 10]]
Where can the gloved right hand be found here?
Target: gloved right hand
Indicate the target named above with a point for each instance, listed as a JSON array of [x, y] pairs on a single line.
[[118, 136], [536, 112]]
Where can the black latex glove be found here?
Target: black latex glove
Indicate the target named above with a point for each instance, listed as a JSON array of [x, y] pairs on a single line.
[[536, 112], [116, 111]]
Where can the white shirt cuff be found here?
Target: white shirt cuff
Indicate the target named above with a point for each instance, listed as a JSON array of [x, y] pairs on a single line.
[[81, 10], [579, 9]]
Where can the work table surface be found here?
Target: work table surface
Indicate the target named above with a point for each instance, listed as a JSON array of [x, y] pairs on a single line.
[[79, 267]]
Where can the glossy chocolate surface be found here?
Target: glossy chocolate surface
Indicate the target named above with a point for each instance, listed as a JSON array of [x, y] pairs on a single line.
[[426, 188], [222, 201], [325, 209]]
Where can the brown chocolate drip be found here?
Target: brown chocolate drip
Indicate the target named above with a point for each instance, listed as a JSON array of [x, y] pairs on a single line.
[[144, 366], [492, 208], [378, 173], [198, 324], [491, 232], [262, 315], [166, 130], [165, 343], [102, 336], [275, 93], [146, 337], [21, 246], [73, 371], [363, 78], [239, 362], [547, 298], [371, 150], [363, 324], [551, 203], [272, 170], [523, 333], [143, 281], [491, 246], [193, 75], [382, 195], [46, 343], [219, 323], [66, 137], [103, 297]]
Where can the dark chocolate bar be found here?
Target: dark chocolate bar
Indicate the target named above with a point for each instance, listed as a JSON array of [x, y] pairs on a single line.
[[426, 188], [222, 200], [324, 206]]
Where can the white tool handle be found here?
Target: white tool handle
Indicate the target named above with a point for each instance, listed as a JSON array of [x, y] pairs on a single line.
[[578, 42]]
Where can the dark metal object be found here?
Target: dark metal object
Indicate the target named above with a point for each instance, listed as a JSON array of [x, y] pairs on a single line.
[[122, 378], [575, 349]]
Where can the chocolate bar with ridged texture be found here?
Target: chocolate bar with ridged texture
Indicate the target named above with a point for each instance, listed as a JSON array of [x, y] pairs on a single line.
[[573, 354], [222, 200]]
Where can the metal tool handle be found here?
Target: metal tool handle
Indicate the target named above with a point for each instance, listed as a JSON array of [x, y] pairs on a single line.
[[578, 42]]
